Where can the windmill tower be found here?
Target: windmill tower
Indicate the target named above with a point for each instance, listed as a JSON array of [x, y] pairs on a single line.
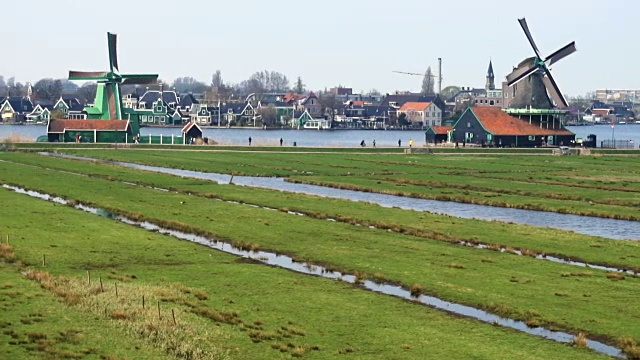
[[536, 95], [108, 100]]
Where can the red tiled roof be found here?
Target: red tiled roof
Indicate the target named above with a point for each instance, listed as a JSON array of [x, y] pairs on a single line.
[[499, 122], [62, 125], [415, 106], [441, 130], [600, 111]]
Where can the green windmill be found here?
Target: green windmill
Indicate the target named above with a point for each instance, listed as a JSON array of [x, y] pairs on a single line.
[[108, 102]]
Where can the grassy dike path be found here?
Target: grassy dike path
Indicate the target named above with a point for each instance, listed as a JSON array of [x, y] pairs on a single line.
[[515, 286], [225, 307]]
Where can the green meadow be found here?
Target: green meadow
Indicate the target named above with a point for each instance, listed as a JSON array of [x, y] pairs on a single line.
[[246, 310], [603, 186]]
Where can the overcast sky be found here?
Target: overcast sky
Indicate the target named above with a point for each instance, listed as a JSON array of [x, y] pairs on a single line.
[[355, 43]]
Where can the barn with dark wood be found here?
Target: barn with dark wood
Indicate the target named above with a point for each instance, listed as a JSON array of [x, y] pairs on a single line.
[[491, 126], [437, 134], [92, 131]]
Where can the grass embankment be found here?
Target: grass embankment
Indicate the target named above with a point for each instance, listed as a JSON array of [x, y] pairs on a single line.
[[533, 240], [243, 309], [592, 185], [536, 291]]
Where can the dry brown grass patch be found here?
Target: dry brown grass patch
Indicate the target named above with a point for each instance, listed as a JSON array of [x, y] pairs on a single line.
[[580, 340], [615, 276], [7, 253]]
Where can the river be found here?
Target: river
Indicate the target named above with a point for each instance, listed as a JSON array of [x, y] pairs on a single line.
[[326, 138]]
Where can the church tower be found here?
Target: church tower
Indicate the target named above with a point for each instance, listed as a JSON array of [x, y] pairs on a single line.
[[491, 85]]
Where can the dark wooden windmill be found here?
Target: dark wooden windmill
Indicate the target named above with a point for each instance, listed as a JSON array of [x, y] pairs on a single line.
[[533, 85]]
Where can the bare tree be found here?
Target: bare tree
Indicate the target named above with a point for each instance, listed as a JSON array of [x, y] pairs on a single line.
[[188, 84], [329, 103], [428, 83], [449, 92], [216, 79], [87, 92], [268, 114]]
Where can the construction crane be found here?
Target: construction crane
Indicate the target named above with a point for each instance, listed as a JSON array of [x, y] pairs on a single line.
[[439, 76], [410, 73]]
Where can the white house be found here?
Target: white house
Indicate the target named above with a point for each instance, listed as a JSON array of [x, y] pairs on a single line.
[[422, 114]]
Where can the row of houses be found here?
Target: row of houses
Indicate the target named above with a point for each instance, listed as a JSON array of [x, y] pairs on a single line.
[[285, 110], [167, 107], [21, 109]]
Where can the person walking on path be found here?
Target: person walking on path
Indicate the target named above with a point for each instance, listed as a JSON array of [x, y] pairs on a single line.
[[374, 142], [280, 141], [410, 142], [399, 142], [249, 140]]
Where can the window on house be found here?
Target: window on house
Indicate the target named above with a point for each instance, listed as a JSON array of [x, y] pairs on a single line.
[[491, 102], [468, 124], [532, 138]]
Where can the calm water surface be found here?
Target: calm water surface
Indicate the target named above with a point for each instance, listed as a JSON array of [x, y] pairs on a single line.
[[345, 138]]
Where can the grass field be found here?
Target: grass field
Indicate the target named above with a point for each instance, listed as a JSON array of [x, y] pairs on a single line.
[[538, 292], [225, 307]]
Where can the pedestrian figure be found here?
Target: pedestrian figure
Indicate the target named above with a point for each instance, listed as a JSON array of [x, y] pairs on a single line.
[[374, 142], [280, 141], [135, 139], [399, 143], [249, 140], [362, 143], [410, 142], [295, 143]]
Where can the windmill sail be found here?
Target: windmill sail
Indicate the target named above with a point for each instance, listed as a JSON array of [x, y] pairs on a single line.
[[540, 88], [108, 101]]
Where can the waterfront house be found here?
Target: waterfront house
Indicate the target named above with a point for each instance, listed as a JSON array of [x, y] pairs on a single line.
[[483, 125], [187, 101], [39, 115], [198, 113], [72, 108], [421, 114], [15, 109], [237, 114]]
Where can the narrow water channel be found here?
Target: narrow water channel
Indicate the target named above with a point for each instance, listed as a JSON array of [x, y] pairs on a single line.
[[289, 263], [609, 228]]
